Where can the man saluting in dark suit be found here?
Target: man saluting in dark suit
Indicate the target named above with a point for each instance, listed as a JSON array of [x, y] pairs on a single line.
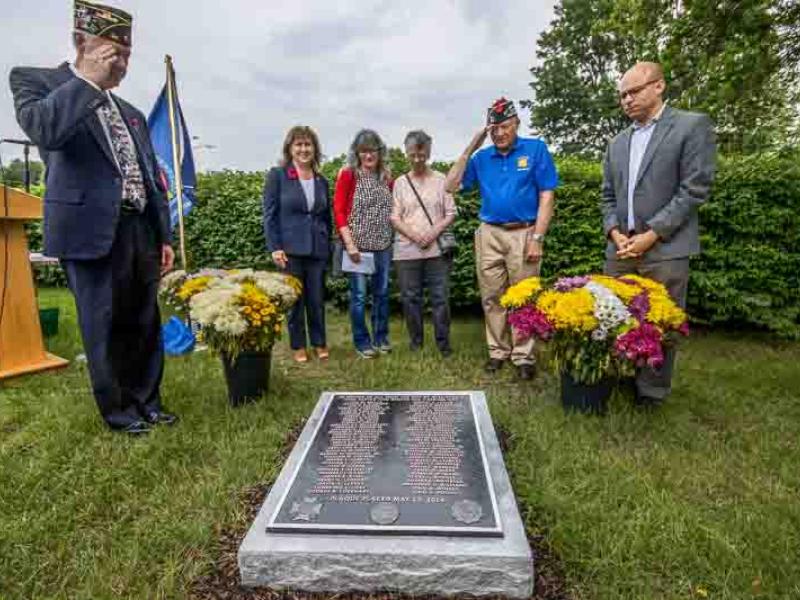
[[105, 212]]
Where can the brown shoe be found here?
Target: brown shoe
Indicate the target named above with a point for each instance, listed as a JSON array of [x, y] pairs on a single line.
[[322, 353], [300, 356]]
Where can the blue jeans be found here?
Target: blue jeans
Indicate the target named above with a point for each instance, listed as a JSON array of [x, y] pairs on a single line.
[[380, 303]]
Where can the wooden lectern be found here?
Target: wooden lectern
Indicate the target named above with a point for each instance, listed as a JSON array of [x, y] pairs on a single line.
[[21, 347]]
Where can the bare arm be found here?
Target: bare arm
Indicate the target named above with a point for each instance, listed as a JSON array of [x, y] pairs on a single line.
[[534, 250], [452, 182], [547, 200], [349, 245]]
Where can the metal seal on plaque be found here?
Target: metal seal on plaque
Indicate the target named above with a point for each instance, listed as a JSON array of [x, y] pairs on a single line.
[[307, 509], [466, 511], [384, 513]]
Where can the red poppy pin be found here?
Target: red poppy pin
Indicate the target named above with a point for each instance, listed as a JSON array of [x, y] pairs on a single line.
[[134, 122], [291, 173]]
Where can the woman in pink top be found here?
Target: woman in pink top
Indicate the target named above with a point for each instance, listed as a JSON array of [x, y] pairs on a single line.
[[422, 211]]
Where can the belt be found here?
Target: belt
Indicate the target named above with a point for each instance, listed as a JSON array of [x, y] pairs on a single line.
[[510, 226]]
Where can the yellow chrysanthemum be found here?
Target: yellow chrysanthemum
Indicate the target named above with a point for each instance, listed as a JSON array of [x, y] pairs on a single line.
[[625, 291], [573, 310], [192, 287], [647, 283], [664, 312], [521, 293], [295, 283]]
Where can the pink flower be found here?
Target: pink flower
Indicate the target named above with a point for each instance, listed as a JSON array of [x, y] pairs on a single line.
[[641, 346], [528, 321]]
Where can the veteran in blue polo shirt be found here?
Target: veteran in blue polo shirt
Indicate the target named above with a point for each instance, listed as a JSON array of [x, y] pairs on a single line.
[[516, 177]]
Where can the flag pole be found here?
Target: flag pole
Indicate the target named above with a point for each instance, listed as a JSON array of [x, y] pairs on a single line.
[[177, 158]]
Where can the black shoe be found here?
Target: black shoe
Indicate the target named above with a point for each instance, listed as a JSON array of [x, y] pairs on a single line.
[[446, 352], [526, 372], [157, 417], [135, 428], [493, 365]]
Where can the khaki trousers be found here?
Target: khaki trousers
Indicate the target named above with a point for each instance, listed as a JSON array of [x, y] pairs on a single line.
[[500, 262]]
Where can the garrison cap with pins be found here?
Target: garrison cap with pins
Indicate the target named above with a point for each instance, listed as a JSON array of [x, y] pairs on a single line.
[[501, 110], [104, 21]]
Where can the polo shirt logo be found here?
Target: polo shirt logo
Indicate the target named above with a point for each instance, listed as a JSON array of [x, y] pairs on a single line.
[[522, 163]]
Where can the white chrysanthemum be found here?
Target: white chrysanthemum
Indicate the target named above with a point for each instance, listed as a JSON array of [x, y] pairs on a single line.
[[216, 308], [609, 310], [171, 282], [274, 285]]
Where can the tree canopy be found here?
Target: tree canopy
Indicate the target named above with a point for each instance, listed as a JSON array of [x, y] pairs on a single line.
[[733, 59]]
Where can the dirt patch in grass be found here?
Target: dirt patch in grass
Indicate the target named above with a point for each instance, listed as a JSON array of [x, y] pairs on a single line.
[[222, 583]]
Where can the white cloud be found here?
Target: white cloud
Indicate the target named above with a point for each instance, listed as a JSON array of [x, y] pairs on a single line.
[[248, 69]]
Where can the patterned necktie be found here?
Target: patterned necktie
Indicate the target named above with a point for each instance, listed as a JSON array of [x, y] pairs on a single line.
[[133, 191]]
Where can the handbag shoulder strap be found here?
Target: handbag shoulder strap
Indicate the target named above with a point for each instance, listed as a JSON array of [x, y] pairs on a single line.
[[421, 203]]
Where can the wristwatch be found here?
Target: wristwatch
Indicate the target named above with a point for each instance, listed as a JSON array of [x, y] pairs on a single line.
[[537, 237]]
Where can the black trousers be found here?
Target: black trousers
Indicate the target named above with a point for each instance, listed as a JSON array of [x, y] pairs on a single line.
[[674, 274], [414, 276], [310, 307], [116, 298]]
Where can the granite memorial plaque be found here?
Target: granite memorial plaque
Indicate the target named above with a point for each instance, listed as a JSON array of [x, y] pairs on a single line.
[[398, 491], [389, 463]]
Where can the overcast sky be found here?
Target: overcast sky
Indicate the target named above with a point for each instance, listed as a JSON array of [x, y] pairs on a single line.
[[249, 69]]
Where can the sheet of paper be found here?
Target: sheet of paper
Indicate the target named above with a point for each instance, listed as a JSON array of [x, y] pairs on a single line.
[[365, 266]]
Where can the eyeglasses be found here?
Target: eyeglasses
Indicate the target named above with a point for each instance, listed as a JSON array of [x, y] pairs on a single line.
[[367, 151], [635, 91]]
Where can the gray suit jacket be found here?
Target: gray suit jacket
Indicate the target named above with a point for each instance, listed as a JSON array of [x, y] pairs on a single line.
[[674, 179]]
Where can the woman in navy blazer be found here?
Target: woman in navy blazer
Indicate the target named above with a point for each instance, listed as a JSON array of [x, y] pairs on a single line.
[[297, 225]]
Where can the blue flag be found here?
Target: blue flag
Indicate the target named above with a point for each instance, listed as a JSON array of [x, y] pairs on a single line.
[[161, 136]]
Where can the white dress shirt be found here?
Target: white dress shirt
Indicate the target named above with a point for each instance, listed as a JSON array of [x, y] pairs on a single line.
[[640, 137]]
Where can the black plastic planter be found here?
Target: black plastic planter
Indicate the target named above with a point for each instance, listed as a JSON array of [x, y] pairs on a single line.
[[247, 376], [588, 399]]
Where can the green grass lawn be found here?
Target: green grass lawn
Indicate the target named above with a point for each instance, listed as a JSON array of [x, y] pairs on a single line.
[[700, 498]]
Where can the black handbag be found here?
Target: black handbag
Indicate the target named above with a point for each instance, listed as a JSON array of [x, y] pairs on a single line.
[[446, 240]]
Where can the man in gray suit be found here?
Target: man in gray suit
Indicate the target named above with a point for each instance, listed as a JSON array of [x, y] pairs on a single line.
[[655, 175]]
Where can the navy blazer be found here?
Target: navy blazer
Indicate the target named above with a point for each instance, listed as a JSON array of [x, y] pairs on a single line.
[[84, 184], [288, 224]]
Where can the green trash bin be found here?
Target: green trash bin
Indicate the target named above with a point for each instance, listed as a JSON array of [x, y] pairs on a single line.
[[48, 317]]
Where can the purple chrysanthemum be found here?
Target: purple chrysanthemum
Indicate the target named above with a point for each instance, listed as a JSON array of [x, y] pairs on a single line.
[[640, 306], [565, 284]]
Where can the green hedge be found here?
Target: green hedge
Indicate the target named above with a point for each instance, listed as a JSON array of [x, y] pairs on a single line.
[[748, 274]]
